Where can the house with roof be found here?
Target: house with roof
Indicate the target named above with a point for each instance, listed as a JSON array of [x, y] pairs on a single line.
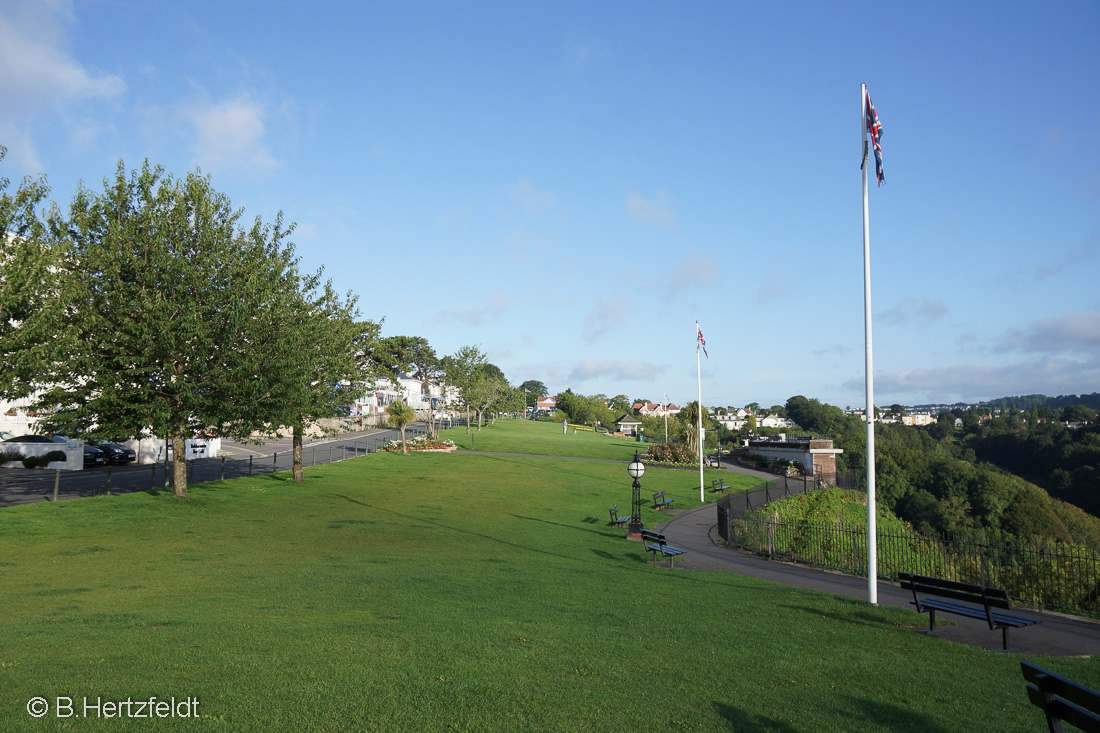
[[655, 409], [628, 425], [545, 404]]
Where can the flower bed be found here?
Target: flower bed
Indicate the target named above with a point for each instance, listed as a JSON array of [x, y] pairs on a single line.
[[422, 443]]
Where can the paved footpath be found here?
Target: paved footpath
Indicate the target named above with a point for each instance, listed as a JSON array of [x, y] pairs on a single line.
[[696, 530]]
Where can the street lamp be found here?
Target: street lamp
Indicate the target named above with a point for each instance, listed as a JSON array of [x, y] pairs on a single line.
[[636, 469]]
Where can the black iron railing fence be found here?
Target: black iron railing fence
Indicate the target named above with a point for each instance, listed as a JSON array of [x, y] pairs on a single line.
[[1042, 574]]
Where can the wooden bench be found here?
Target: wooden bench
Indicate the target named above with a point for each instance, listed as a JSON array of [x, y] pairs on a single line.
[[659, 500], [615, 518], [1061, 699], [964, 599], [654, 542], [719, 485]]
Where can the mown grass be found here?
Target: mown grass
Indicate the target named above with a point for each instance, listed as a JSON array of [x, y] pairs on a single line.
[[543, 438], [450, 592]]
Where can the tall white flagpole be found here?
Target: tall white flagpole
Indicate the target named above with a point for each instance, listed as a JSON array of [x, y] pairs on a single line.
[[699, 412], [872, 530]]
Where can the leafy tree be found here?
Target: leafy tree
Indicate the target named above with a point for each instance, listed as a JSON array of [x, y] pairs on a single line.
[[1077, 413], [168, 303], [311, 362], [689, 424], [461, 369], [621, 405], [487, 388], [30, 312], [534, 389], [400, 415]]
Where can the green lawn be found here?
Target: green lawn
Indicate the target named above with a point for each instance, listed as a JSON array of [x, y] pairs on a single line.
[[451, 592], [543, 438]]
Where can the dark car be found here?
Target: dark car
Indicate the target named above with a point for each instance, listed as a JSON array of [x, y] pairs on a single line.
[[92, 456], [116, 454], [31, 439]]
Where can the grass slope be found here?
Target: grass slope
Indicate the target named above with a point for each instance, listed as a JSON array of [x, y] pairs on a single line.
[[543, 438], [450, 592]]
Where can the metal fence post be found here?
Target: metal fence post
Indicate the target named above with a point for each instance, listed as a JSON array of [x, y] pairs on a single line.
[[330, 452], [275, 461], [152, 476], [56, 482], [250, 465], [108, 480], [221, 473]]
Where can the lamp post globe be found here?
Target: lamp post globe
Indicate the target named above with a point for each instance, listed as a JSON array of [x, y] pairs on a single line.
[[636, 469]]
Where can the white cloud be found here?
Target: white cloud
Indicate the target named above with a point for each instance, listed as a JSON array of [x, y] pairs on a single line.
[[1077, 332], [38, 76], [492, 304], [694, 274], [581, 47], [915, 310], [654, 211], [229, 135], [975, 382], [530, 198], [606, 317], [621, 369]]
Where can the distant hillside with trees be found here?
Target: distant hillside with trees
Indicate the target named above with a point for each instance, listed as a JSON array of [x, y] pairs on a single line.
[[942, 480]]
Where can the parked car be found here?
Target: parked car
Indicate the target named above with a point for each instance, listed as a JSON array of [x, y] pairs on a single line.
[[31, 439], [5, 435], [114, 453], [92, 456]]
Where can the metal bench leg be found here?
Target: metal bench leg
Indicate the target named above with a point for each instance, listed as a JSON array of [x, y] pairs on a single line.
[[1004, 638], [931, 619]]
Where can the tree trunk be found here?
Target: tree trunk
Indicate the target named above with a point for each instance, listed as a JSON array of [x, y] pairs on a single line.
[[179, 464], [297, 453], [404, 448], [467, 418]]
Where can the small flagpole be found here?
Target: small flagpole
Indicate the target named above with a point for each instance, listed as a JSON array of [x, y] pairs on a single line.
[[699, 412], [872, 530]]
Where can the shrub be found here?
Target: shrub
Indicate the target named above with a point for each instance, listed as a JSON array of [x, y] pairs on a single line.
[[32, 462], [678, 454], [10, 455], [54, 455]]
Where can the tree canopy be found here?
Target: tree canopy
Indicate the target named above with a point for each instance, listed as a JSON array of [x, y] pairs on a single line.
[[172, 312]]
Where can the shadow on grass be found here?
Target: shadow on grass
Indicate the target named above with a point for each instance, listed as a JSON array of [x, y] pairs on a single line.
[[744, 722], [883, 617], [555, 469], [451, 527], [850, 713]]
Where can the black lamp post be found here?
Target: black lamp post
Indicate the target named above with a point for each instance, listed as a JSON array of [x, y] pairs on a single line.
[[636, 469]]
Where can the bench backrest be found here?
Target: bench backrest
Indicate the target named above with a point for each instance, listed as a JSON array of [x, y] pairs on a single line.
[[955, 590], [1062, 699], [649, 535], [660, 494], [614, 512]]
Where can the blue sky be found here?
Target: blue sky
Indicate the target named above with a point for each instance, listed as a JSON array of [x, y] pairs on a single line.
[[571, 185]]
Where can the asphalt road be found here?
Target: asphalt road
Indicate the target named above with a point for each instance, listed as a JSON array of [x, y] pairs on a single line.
[[21, 486]]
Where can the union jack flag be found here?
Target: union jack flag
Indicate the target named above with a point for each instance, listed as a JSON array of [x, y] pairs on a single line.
[[874, 126], [702, 341]]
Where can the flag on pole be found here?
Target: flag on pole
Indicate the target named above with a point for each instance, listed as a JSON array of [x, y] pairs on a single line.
[[702, 341], [874, 126]]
